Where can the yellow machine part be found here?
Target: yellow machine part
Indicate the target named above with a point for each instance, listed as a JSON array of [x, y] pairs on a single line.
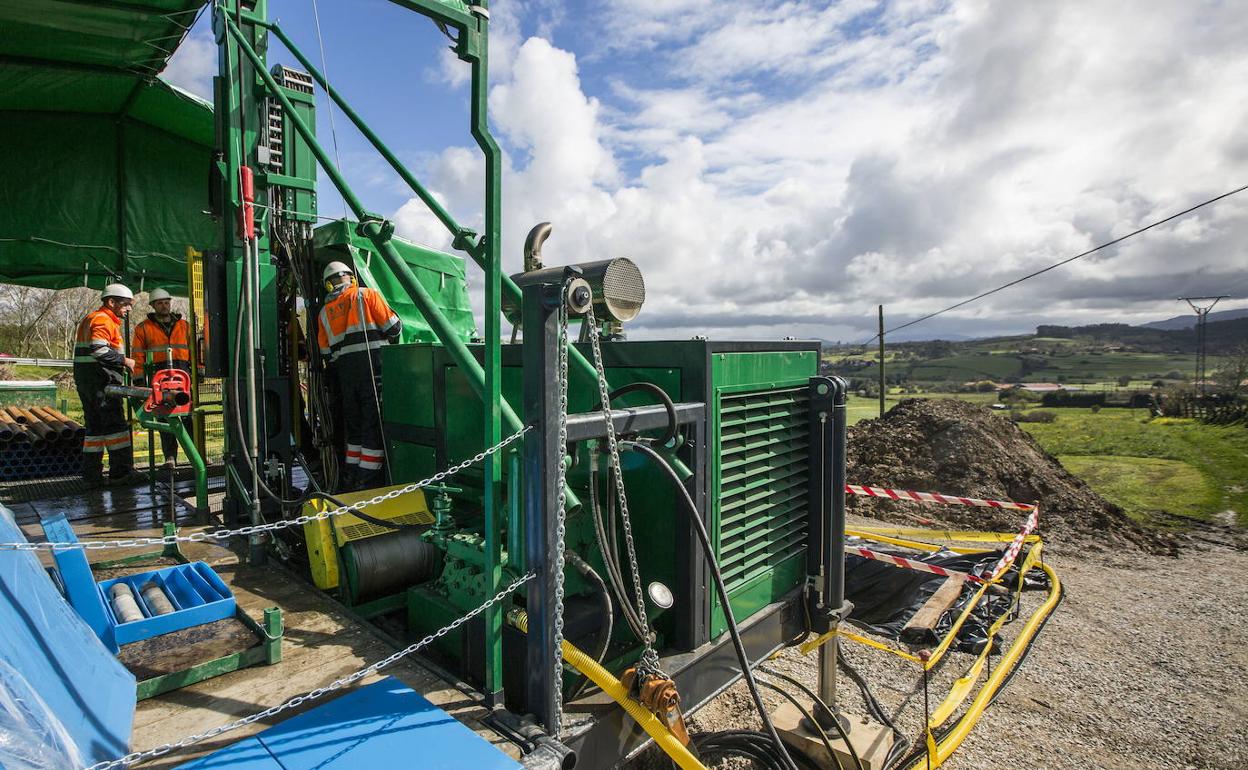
[[323, 542]]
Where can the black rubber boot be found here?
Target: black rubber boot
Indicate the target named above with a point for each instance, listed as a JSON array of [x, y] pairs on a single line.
[[369, 479], [346, 477], [93, 469], [121, 467]]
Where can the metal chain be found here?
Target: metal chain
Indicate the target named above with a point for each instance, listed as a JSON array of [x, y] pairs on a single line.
[[337, 684], [561, 502], [298, 521], [649, 656]]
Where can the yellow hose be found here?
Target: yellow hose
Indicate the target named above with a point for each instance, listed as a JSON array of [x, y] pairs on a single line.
[[655, 727], [950, 742]]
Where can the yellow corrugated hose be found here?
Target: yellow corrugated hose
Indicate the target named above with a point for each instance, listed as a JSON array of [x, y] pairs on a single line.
[[963, 727], [655, 727]]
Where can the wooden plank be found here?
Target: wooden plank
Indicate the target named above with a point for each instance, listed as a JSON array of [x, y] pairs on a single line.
[[312, 639], [924, 621]]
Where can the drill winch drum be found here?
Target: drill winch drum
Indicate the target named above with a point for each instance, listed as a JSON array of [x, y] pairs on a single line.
[[388, 564]]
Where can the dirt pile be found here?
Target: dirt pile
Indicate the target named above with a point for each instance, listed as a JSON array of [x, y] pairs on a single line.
[[955, 447]]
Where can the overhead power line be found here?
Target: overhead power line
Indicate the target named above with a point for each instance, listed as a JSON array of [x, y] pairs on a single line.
[[1066, 261]]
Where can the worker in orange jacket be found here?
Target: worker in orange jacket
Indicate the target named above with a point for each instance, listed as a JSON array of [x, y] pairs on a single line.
[[99, 361], [162, 341], [353, 325]]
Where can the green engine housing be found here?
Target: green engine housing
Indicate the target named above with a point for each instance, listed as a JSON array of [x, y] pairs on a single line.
[[749, 461]]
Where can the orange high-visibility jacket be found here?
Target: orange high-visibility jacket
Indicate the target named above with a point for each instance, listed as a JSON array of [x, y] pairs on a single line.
[[155, 346], [100, 341], [355, 320]]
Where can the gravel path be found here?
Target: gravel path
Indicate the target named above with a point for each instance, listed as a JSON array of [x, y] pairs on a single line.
[[1145, 664]]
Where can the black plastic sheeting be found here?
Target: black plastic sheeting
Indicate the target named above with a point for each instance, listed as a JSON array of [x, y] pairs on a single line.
[[885, 596]]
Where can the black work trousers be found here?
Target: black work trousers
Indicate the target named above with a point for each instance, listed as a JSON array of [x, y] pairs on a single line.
[[105, 418], [360, 391]]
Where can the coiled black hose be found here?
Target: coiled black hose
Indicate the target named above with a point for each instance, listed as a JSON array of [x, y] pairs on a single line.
[[754, 746]]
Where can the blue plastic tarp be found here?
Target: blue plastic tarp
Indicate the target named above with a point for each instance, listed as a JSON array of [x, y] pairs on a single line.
[[58, 683]]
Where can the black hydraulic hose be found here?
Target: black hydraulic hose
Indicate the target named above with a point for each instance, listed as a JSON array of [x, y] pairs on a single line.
[[238, 417], [705, 540], [873, 705], [608, 614], [355, 511], [650, 387], [901, 744], [819, 702], [754, 746], [608, 558], [823, 736], [600, 585]]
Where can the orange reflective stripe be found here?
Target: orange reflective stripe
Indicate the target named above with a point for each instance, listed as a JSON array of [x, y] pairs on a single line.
[[118, 440]]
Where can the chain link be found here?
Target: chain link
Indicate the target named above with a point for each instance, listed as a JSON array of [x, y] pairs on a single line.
[[561, 503], [298, 521], [649, 656], [337, 684]]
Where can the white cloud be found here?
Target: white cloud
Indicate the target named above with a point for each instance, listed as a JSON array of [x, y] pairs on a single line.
[[797, 163], [193, 65]]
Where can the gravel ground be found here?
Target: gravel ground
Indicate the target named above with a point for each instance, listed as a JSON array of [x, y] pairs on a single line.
[[1145, 664]]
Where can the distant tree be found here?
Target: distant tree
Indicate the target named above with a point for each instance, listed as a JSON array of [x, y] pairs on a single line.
[[1232, 374], [1124, 381]]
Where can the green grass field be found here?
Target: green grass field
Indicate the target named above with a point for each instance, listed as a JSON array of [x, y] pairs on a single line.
[[1117, 436]]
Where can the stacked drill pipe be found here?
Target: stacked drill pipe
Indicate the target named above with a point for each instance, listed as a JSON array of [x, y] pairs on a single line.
[[38, 442]]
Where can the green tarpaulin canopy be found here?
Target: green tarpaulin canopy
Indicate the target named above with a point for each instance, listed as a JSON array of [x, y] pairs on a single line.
[[106, 172]]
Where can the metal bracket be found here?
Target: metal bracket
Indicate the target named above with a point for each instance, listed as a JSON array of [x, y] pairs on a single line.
[[386, 227]]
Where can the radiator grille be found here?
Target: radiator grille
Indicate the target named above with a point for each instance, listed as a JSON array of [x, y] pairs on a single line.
[[764, 474]]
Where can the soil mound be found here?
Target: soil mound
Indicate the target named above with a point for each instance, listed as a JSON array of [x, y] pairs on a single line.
[[935, 445]]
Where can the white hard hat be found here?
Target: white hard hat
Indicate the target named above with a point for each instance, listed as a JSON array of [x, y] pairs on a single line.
[[116, 290], [335, 268], [158, 294]]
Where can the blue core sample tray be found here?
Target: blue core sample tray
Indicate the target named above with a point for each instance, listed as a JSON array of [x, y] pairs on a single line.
[[196, 592]]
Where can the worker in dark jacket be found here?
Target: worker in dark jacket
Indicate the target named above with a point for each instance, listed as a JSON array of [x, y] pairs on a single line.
[[354, 323], [99, 361], [162, 341]]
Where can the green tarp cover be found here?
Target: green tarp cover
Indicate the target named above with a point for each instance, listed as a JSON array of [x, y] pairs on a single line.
[[441, 274], [106, 165]]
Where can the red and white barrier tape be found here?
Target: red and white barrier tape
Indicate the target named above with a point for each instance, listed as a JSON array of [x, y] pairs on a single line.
[[935, 497], [918, 566], [1016, 545]]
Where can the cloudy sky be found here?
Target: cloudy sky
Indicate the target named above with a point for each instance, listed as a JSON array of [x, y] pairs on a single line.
[[781, 167]]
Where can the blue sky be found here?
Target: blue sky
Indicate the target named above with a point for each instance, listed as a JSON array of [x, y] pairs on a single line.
[[780, 167]]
